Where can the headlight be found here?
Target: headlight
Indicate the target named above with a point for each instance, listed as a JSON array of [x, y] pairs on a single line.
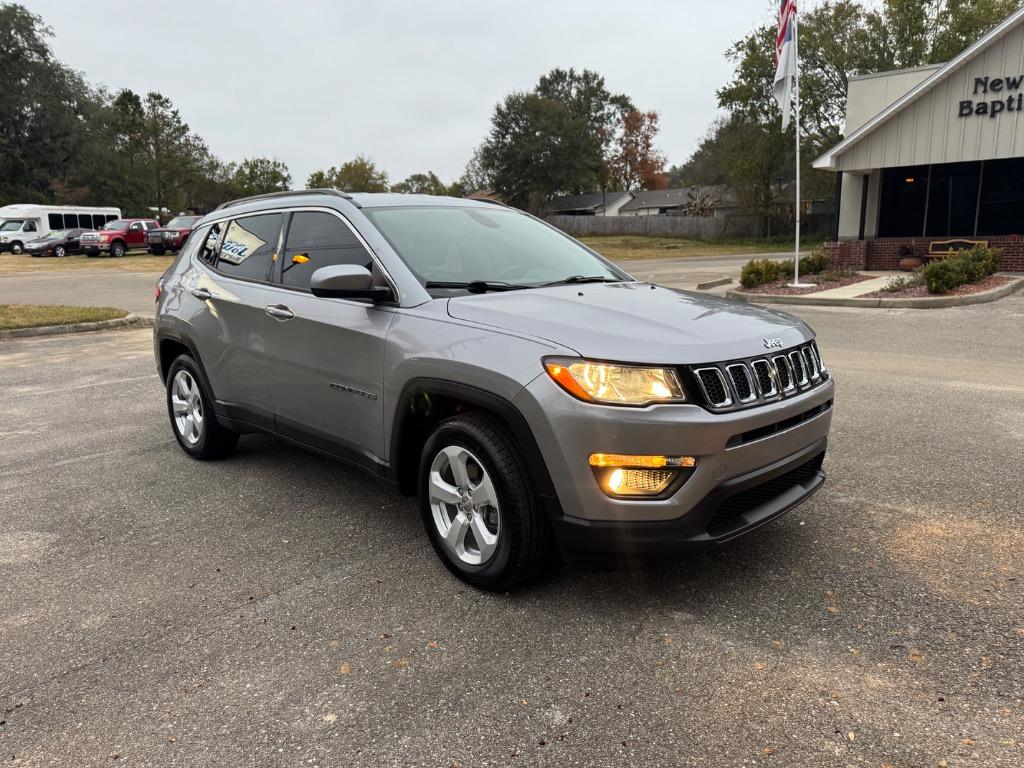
[[616, 384]]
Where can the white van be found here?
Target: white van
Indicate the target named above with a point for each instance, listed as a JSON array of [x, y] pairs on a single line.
[[21, 223]]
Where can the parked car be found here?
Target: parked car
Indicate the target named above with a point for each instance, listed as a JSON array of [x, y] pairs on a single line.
[[118, 237], [172, 236], [57, 243], [529, 392], [21, 223]]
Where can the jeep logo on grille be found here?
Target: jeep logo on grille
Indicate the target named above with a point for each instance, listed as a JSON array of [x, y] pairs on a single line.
[[773, 343]]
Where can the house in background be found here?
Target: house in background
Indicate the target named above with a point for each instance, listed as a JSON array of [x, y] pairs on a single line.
[[719, 200], [589, 204]]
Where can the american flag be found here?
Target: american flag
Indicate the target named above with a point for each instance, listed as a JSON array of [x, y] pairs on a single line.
[[785, 58], [785, 34]]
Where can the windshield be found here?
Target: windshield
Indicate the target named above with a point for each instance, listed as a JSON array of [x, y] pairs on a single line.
[[182, 222], [11, 226], [463, 245], [56, 234], [117, 225]]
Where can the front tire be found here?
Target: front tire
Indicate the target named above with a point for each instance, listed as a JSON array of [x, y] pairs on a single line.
[[157, 251], [17, 248], [190, 408], [478, 504], [117, 250]]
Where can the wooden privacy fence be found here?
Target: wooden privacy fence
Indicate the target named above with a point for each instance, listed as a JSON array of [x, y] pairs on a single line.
[[702, 227], [816, 225]]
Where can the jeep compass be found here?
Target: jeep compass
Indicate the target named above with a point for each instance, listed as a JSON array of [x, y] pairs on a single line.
[[535, 399]]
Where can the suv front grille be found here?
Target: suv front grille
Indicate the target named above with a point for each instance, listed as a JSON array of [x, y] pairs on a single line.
[[714, 387], [736, 384]]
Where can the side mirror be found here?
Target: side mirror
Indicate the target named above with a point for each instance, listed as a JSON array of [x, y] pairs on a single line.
[[346, 281]]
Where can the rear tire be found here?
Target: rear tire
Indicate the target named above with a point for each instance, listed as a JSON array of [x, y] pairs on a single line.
[[190, 408], [478, 504], [59, 251]]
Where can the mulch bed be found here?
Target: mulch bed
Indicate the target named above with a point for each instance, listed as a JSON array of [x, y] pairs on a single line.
[[921, 292], [781, 288]]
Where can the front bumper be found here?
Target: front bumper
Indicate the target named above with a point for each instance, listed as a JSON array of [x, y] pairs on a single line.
[[92, 248], [734, 508], [753, 465]]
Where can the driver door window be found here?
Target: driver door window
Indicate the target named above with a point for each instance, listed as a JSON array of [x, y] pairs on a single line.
[[317, 239]]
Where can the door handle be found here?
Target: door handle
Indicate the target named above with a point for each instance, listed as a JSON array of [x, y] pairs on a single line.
[[202, 293], [279, 312]]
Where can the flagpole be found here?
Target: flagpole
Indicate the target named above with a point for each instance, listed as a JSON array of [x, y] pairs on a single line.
[[796, 99]]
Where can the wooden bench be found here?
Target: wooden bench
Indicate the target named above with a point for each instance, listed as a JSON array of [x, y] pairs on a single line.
[[940, 249]]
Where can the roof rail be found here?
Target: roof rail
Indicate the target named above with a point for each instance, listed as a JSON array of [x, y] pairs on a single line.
[[289, 193], [490, 200]]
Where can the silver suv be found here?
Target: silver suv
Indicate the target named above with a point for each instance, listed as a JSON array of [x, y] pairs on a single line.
[[534, 397]]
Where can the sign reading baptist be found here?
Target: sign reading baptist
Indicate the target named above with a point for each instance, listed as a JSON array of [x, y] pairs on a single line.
[[1013, 102]]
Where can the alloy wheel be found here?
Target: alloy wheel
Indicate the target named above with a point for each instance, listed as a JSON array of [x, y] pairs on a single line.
[[187, 407], [58, 251], [464, 505]]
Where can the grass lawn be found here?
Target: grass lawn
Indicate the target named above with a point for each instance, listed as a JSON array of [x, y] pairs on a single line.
[[132, 262], [624, 247], [37, 315]]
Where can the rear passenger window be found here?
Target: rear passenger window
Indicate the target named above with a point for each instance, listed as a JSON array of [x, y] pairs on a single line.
[[211, 244], [249, 246], [319, 240]]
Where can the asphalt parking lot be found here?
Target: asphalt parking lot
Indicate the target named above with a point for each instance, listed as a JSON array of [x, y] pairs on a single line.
[[277, 609]]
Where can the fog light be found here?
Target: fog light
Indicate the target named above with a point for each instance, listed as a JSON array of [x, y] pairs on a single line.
[[615, 480], [622, 475]]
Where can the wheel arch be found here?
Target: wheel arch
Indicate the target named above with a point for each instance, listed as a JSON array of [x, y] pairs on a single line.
[[171, 344], [424, 402]]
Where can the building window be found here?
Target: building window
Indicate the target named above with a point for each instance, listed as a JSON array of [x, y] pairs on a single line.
[[1002, 198], [952, 199], [903, 199]]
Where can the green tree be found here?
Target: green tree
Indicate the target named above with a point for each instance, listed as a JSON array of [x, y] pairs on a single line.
[[562, 137], [585, 95], [421, 184], [358, 175], [257, 176], [538, 147], [41, 132], [164, 136]]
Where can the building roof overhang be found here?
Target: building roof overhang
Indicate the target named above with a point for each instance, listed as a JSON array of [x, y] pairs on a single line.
[[829, 160]]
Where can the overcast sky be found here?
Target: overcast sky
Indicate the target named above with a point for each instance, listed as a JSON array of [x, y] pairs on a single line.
[[411, 84]]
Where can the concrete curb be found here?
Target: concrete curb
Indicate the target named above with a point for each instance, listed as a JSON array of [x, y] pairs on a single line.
[[57, 330], [713, 283], [930, 302]]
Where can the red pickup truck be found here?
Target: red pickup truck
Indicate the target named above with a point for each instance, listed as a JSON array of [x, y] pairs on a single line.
[[117, 237], [172, 236]]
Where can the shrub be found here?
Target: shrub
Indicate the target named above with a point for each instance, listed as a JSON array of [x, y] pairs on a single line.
[[968, 267], [758, 272], [901, 282], [814, 264], [787, 269]]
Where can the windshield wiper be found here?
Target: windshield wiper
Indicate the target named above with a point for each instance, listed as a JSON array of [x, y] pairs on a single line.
[[575, 279], [476, 286]]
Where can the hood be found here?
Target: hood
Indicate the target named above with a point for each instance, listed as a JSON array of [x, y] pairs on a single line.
[[634, 322]]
